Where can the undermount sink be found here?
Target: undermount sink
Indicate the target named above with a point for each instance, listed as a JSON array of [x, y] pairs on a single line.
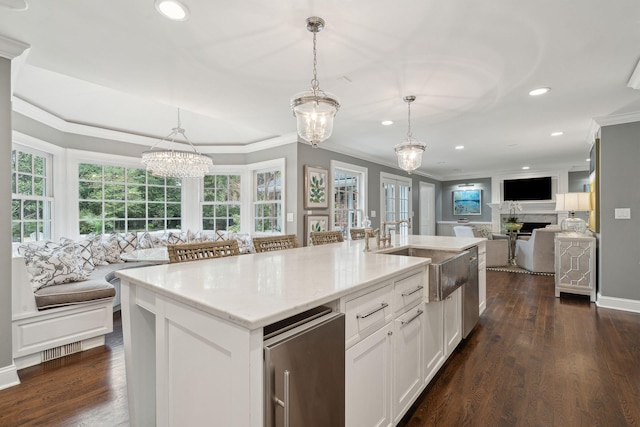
[[447, 271]]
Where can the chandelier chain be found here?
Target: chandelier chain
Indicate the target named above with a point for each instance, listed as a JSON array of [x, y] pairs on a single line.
[[409, 131], [315, 84]]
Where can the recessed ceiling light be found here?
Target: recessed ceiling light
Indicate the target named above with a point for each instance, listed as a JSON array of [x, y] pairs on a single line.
[[588, 160], [172, 9], [459, 147], [539, 91], [525, 168], [387, 122], [557, 133]]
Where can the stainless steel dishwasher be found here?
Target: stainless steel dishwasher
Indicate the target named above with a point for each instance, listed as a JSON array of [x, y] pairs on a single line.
[[304, 370]]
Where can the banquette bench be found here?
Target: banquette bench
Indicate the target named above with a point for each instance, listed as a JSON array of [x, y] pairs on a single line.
[[55, 320]]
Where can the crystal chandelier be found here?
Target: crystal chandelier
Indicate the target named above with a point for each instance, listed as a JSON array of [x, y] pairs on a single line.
[[410, 151], [176, 163], [315, 109]]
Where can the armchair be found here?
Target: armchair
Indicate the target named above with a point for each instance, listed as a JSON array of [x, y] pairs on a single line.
[[537, 253], [497, 249]]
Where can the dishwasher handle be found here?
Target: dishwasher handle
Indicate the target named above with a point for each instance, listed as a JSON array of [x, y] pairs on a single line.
[[285, 403]]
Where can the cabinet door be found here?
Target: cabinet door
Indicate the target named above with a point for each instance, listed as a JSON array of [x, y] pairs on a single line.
[[452, 321], [368, 380], [433, 339], [408, 366]]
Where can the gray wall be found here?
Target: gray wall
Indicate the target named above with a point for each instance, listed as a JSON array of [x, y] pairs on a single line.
[[77, 142], [6, 353], [448, 187], [322, 158], [619, 245]]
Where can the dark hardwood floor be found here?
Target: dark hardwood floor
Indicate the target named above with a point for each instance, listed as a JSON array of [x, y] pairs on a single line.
[[533, 360], [537, 360]]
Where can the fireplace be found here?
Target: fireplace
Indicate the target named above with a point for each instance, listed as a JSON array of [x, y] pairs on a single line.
[[528, 227]]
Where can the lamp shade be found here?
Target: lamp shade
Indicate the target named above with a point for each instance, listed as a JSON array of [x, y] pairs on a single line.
[[573, 202]]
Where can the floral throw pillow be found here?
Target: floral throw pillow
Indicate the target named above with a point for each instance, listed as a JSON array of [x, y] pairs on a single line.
[[53, 264], [112, 250], [97, 250], [83, 248]]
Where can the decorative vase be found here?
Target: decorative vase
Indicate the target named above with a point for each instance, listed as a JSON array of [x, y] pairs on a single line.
[[513, 226]]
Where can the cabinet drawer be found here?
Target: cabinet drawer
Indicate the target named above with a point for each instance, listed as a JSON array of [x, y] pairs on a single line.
[[410, 290], [367, 313]]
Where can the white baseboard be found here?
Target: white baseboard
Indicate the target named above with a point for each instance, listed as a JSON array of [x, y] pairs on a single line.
[[9, 376], [618, 303]]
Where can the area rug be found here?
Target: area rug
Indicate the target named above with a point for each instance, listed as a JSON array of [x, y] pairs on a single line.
[[516, 269]]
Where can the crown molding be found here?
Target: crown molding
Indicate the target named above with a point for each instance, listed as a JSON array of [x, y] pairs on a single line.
[[618, 119], [10, 48], [38, 114], [332, 146], [634, 80]]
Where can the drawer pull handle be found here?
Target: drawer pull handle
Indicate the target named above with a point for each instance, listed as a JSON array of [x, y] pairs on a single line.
[[418, 313], [375, 310], [406, 294]]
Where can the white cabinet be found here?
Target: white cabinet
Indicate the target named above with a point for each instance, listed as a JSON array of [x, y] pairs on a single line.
[[408, 362], [575, 264], [368, 380], [452, 321], [433, 339]]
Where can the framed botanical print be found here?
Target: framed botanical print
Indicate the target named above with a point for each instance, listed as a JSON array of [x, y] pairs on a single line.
[[314, 223], [316, 186]]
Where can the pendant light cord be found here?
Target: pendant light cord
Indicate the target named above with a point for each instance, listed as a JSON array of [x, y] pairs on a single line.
[[315, 84]]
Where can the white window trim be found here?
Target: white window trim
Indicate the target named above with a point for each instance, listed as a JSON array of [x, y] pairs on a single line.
[[266, 166], [363, 185], [58, 177], [247, 189]]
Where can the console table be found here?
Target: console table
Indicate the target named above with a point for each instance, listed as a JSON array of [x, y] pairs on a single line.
[[575, 264]]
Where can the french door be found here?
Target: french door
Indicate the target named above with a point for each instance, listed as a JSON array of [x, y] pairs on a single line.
[[395, 199]]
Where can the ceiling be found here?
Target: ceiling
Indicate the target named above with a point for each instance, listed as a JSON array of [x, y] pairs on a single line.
[[232, 68]]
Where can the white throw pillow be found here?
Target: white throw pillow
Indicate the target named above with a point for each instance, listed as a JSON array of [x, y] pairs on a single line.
[[53, 264], [84, 252]]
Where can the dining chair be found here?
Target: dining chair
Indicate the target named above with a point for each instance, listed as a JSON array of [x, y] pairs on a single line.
[[357, 233], [202, 250], [326, 237], [275, 243]]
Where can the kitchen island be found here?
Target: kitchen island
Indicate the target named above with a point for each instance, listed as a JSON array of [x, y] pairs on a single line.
[[193, 331]]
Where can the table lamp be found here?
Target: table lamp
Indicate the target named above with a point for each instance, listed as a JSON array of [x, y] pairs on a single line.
[[573, 202]]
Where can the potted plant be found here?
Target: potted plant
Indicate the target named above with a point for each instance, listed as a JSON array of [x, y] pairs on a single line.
[[512, 223]]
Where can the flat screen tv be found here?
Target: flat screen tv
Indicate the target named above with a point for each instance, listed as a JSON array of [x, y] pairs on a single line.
[[528, 189]]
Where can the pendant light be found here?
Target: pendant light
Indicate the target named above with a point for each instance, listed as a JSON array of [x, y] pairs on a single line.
[[315, 109], [410, 151], [176, 163]]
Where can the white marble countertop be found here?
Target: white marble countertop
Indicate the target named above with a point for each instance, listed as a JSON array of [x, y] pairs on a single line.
[[258, 289]]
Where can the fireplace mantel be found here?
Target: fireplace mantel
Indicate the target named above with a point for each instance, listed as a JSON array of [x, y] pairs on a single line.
[[531, 212]]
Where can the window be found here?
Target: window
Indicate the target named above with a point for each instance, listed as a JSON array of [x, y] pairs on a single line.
[[396, 200], [349, 196], [221, 202], [31, 201], [120, 199], [267, 201]]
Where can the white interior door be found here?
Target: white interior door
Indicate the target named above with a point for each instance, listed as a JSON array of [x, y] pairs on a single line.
[[427, 209], [395, 200]]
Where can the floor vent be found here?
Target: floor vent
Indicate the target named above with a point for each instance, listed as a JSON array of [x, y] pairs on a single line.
[[63, 350]]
